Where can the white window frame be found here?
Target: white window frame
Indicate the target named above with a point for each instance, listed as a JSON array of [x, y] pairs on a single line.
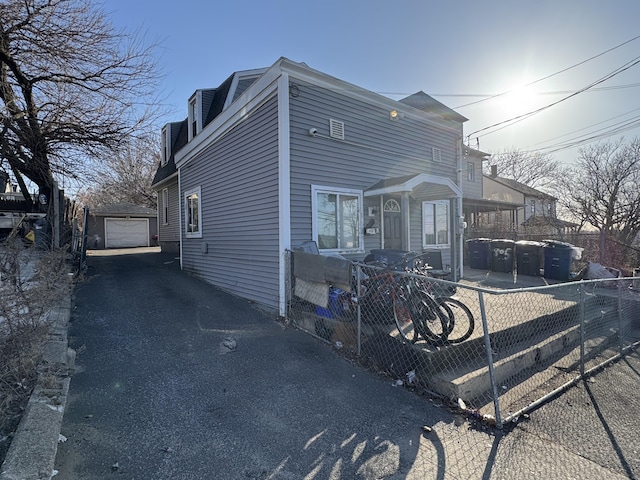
[[194, 115], [187, 195], [165, 150], [317, 189], [165, 206], [471, 171], [432, 206]]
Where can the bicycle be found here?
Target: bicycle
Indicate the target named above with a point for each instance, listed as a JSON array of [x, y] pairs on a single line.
[[399, 293], [460, 320], [387, 296]]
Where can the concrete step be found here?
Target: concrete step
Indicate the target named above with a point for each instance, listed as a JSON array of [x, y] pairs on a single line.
[[513, 363]]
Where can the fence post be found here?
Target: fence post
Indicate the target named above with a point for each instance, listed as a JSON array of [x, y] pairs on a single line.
[[489, 352], [620, 322], [582, 328], [358, 274]]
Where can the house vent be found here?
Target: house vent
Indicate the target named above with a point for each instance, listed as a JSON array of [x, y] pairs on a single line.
[[336, 129], [436, 154]]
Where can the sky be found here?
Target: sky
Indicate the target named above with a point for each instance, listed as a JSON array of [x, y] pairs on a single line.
[[461, 52]]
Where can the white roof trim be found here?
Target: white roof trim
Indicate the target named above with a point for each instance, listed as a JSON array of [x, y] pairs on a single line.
[[414, 182], [266, 85], [304, 72], [257, 93]]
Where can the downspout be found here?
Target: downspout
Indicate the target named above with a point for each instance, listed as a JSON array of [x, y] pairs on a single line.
[[459, 219], [180, 205], [284, 190]]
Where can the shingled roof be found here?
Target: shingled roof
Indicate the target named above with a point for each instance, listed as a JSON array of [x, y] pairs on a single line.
[[521, 187], [123, 209], [427, 103]]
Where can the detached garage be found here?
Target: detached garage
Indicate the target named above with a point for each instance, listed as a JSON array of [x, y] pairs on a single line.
[[122, 225]]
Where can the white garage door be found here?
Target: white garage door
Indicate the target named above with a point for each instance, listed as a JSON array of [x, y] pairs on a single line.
[[126, 232]]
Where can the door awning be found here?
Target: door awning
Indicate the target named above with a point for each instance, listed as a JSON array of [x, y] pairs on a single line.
[[422, 186]]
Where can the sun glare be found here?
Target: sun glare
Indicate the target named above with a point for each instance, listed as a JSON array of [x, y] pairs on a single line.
[[518, 101]]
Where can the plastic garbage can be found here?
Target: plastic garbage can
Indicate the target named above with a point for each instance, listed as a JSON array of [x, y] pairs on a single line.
[[502, 255], [335, 308], [479, 253], [529, 257], [557, 259]]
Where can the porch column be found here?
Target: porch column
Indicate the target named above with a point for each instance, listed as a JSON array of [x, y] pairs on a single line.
[[404, 208]]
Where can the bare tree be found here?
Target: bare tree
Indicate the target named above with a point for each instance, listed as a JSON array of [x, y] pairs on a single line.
[[536, 170], [602, 188], [71, 88], [125, 175]]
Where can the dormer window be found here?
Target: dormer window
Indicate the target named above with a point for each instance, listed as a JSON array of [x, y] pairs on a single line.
[[193, 117], [165, 145]]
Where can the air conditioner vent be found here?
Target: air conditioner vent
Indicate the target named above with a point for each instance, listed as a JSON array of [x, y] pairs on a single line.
[[336, 129], [436, 155]]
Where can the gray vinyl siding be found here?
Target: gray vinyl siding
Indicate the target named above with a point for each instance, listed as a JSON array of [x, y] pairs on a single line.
[[374, 148], [171, 231], [472, 189], [238, 177]]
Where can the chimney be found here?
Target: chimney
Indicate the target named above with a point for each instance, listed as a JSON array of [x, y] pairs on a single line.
[[494, 171]]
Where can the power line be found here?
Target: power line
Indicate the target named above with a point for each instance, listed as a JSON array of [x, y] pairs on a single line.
[[578, 141], [487, 96], [587, 127], [554, 74], [519, 118]]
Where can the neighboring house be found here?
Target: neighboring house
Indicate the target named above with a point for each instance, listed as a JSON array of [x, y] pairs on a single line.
[[278, 156], [121, 225], [536, 210]]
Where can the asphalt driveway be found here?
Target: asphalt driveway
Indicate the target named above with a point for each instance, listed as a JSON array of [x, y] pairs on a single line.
[[158, 394]]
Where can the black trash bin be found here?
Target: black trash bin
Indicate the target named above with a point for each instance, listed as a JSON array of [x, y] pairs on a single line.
[[502, 255], [557, 259], [529, 257], [479, 253]]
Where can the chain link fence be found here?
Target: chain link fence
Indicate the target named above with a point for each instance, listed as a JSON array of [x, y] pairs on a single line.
[[488, 356]]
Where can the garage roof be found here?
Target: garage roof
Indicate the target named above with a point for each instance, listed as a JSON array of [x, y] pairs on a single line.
[[122, 210]]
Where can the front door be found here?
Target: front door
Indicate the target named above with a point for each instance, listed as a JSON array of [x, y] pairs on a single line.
[[392, 217]]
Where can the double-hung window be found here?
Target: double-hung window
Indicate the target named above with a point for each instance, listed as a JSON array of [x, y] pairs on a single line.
[[337, 219], [471, 172], [165, 206], [193, 213], [435, 224]]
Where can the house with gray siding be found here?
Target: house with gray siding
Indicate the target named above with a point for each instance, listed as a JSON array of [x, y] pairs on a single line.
[[281, 155]]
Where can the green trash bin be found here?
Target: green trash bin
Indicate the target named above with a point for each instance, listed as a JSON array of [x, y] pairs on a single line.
[[502, 255], [529, 257]]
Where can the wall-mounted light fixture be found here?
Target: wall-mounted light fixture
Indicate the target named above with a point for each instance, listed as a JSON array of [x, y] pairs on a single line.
[[395, 115]]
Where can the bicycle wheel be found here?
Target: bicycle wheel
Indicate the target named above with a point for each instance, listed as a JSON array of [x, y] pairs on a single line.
[[461, 322], [418, 314], [430, 317], [404, 318]]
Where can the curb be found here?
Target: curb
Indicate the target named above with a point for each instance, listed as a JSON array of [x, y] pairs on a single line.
[[32, 452]]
